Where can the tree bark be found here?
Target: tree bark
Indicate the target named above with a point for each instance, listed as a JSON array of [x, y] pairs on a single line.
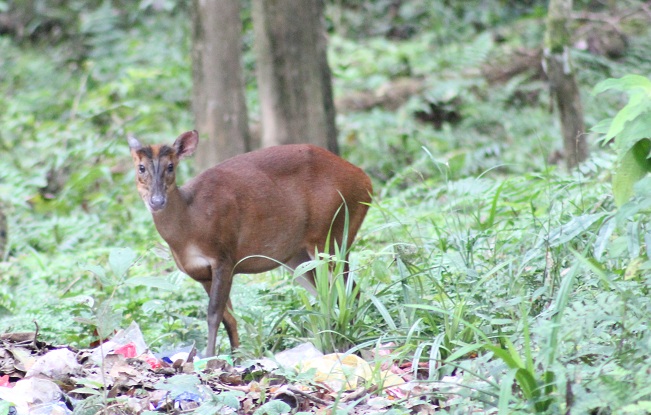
[[218, 101], [563, 86], [294, 79], [3, 234]]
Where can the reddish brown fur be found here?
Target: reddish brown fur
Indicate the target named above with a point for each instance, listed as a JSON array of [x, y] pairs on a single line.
[[277, 202]]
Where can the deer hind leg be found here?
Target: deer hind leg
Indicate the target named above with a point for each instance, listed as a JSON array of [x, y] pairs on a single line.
[[356, 215], [306, 280], [230, 324]]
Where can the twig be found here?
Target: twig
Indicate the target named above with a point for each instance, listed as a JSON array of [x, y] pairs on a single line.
[[36, 336], [72, 284], [307, 395], [359, 393], [245, 388]]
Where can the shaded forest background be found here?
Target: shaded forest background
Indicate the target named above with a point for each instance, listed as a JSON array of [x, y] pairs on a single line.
[[482, 260]]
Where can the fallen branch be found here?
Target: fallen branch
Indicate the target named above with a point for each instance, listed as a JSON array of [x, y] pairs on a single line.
[[307, 395], [359, 393]]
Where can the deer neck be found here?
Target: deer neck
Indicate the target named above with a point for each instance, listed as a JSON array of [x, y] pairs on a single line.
[[169, 221]]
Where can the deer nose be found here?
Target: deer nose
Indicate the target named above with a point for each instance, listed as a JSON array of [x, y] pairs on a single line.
[[157, 202]]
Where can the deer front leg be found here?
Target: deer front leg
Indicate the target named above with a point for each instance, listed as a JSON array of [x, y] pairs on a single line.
[[230, 323], [220, 289]]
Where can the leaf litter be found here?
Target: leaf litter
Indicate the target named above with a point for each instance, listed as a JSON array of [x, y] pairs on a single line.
[[121, 376]]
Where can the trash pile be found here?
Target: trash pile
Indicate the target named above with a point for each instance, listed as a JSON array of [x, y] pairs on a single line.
[[123, 376]]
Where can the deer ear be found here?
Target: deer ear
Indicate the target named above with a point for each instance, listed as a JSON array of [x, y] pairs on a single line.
[[186, 143], [134, 144]]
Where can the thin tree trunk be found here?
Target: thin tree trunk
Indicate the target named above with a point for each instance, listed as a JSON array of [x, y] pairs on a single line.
[[294, 78], [563, 86], [3, 234], [218, 102]]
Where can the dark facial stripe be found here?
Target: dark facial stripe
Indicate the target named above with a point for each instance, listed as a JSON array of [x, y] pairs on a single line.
[[165, 151], [147, 152]]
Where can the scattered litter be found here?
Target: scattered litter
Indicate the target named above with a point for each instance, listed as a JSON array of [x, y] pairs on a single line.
[[55, 364], [292, 357], [347, 371], [131, 335], [33, 394], [206, 363], [187, 401], [178, 381], [128, 350]]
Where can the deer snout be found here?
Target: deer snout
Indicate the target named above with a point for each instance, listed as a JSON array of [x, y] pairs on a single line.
[[157, 202]]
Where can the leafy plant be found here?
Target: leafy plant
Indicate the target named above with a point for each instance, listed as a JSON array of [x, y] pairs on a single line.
[[273, 407], [629, 133], [334, 317], [223, 402]]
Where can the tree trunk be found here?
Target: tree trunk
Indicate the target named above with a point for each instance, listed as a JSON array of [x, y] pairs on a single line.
[[562, 83], [218, 101], [3, 234], [294, 78]]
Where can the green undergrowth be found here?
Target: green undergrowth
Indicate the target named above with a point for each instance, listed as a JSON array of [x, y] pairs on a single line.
[[519, 287]]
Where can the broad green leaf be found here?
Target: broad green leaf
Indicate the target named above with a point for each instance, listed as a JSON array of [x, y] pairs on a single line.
[[633, 238], [95, 269], [306, 267], [562, 298], [506, 392], [637, 104], [179, 384], [100, 273], [514, 353], [549, 379], [573, 228], [504, 355], [230, 399], [642, 188], [462, 351], [274, 407], [384, 312], [626, 83], [108, 320], [602, 126], [525, 379], [603, 238], [632, 132], [527, 383], [120, 259], [153, 306], [633, 166]]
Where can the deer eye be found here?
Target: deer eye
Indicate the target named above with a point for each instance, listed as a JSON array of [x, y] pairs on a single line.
[[170, 167], [141, 168]]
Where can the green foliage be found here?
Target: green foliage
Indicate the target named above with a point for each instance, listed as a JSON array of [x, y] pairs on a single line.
[[336, 317], [5, 407], [218, 403], [273, 407], [516, 287], [179, 384], [632, 166], [629, 132]]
